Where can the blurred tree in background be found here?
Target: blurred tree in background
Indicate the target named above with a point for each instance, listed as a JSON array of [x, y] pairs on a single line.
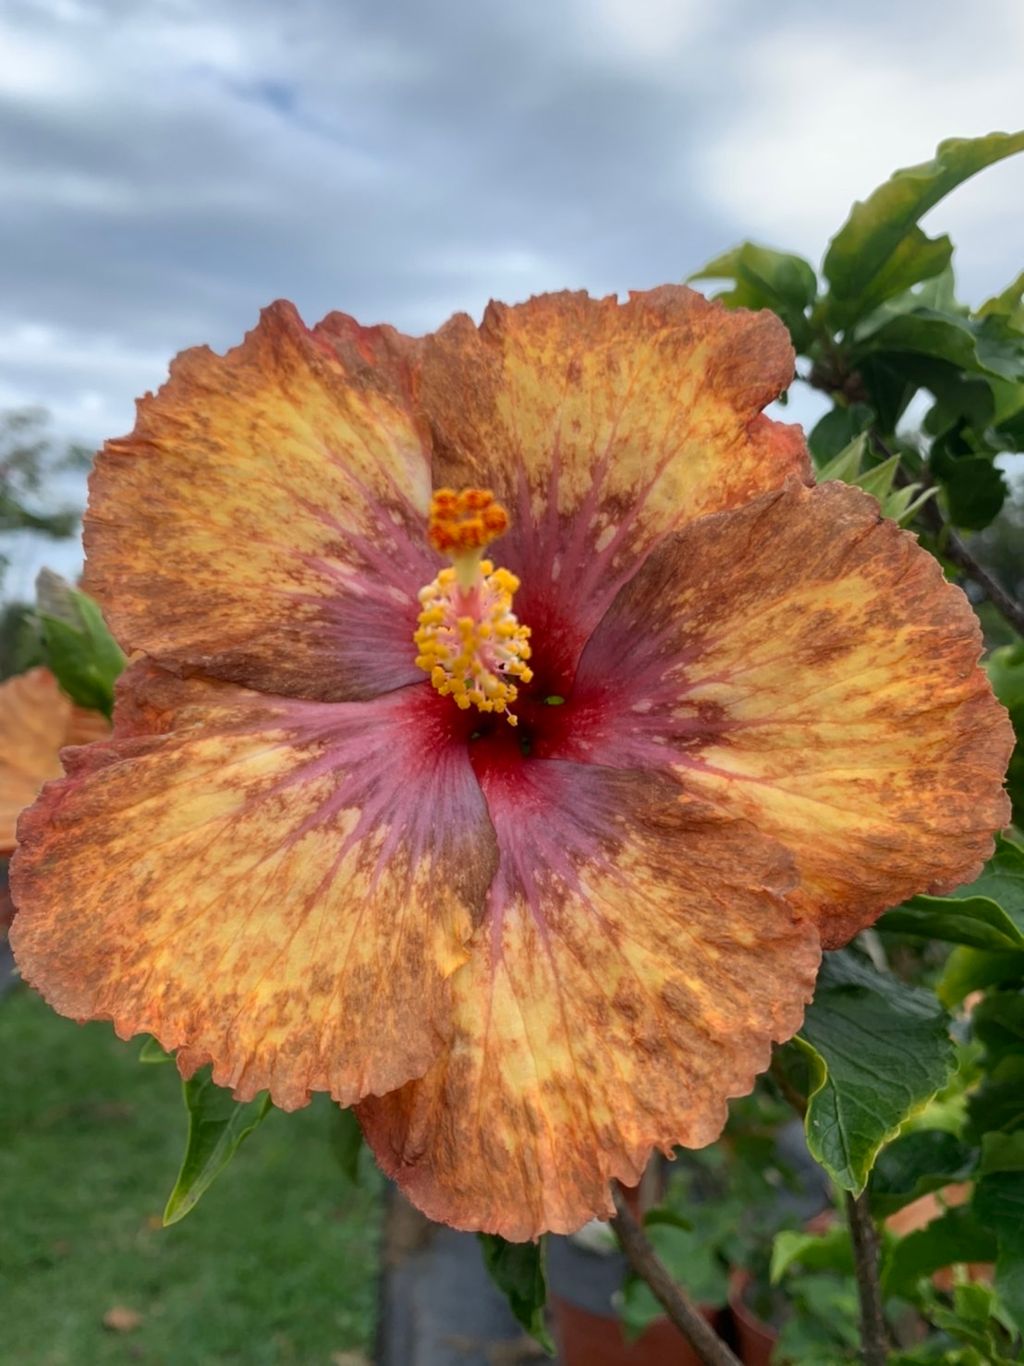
[[33, 466]]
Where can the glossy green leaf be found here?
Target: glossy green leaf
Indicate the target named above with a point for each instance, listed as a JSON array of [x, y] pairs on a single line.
[[80, 651], [965, 399], [975, 491], [771, 279], [918, 257], [985, 914], [517, 1269], [979, 345], [217, 1125], [879, 1051], [879, 250], [957, 1236], [1001, 880], [916, 1164], [976, 921], [833, 434]]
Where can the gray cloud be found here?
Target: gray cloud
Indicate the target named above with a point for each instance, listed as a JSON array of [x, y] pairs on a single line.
[[168, 167]]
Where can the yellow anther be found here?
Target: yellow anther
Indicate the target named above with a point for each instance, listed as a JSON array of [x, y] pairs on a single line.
[[468, 638]]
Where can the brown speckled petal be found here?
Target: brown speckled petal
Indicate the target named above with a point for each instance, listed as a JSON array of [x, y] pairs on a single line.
[[36, 721], [259, 882], [602, 427], [635, 963], [802, 663], [263, 523]]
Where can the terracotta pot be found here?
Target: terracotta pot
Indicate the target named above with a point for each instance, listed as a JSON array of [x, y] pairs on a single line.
[[920, 1213], [588, 1339], [755, 1339]]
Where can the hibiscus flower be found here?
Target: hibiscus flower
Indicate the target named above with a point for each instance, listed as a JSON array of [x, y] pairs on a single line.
[[531, 857]]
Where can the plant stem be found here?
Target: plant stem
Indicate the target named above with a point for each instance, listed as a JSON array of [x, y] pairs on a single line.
[[873, 1332], [789, 1091], [649, 1267]]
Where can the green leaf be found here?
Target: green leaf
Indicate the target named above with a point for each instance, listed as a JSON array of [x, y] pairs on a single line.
[[846, 464], [691, 1258], [1006, 673], [1002, 1153], [986, 914], [916, 1164], [771, 279], [999, 1204], [821, 1327], [976, 921], [217, 1125], [970, 970], [975, 490], [347, 1143], [879, 251], [998, 1022], [957, 1236], [834, 433], [879, 1051], [1001, 880], [999, 1103], [983, 346], [152, 1052], [964, 400], [81, 652], [1008, 304], [830, 1251], [517, 1269]]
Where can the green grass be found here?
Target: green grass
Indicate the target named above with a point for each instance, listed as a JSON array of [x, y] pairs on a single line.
[[277, 1264]]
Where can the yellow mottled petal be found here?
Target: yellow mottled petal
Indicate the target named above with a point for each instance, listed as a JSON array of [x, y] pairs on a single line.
[[802, 663], [263, 523], [601, 426], [36, 720], [636, 961], [259, 882]]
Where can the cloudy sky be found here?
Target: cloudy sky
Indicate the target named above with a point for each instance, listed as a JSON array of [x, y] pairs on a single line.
[[168, 166]]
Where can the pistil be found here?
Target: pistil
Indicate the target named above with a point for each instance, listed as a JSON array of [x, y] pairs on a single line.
[[468, 638]]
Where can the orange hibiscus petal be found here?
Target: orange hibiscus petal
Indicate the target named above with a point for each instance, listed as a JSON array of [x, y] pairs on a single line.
[[602, 426], [636, 961], [264, 521], [259, 882], [802, 663], [36, 720]]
